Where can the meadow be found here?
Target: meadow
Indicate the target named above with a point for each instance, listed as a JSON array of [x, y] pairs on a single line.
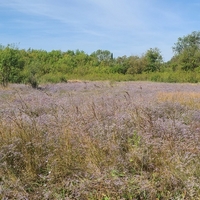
[[100, 140]]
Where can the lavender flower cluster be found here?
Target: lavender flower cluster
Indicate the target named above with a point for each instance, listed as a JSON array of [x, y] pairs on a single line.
[[99, 140]]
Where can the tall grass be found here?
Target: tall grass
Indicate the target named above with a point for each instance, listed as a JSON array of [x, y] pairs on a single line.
[[99, 140]]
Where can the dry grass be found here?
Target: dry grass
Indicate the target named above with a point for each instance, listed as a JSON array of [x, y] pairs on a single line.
[[190, 99], [96, 140]]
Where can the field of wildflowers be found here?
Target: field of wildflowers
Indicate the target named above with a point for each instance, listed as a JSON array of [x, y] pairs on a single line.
[[100, 140]]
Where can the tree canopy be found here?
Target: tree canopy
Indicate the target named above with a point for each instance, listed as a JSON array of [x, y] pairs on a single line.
[[35, 66], [187, 49], [188, 42], [154, 60]]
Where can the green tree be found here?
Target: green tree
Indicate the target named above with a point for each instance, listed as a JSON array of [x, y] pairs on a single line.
[[136, 64], [191, 41], [190, 59], [9, 64], [153, 59], [67, 63], [119, 65], [32, 73], [187, 50], [104, 57]]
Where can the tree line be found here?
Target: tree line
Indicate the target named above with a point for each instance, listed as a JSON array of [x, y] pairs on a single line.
[[36, 66]]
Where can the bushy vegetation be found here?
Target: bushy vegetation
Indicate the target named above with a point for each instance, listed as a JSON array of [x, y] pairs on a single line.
[[77, 139], [100, 140], [39, 66]]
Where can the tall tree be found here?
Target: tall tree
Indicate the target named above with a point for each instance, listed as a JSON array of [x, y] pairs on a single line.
[[9, 63], [104, 57], [188, 51], [191, 41], [153, 59], [136, 64]]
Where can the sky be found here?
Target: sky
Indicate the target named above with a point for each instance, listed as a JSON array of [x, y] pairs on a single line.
[[124, 27]]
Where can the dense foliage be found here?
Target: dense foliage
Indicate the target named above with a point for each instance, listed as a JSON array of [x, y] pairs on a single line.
[[35, 66]]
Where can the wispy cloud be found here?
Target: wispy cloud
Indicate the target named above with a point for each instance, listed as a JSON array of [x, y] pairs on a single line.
[[123, 27], [109, 14]]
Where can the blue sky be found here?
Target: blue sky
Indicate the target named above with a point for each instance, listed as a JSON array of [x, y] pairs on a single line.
[[124, 27]]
